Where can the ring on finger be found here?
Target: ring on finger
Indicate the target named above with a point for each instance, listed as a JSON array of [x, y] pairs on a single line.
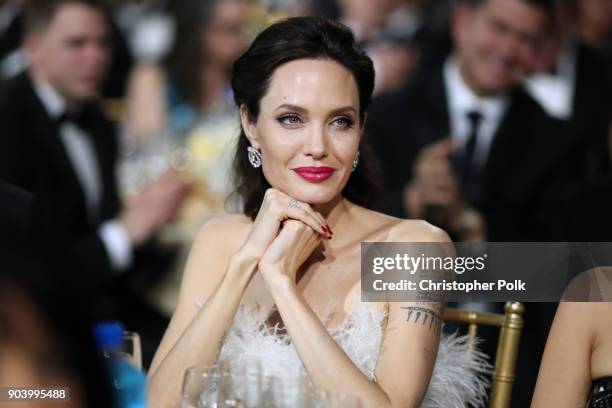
[[294, 203]]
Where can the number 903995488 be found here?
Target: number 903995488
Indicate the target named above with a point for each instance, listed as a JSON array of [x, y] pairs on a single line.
[[15, 394]]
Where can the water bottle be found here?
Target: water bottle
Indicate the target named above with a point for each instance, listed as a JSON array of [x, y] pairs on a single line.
[[127, 380]]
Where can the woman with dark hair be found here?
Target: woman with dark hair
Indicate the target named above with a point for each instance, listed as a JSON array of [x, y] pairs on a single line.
[[193, 84], [576, 368], [291, 261], [187, 102]]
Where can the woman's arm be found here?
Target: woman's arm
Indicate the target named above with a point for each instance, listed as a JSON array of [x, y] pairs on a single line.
[[404, 368], [565, 372], [195, 336], [147, 111], [410, 348], [218, 273]]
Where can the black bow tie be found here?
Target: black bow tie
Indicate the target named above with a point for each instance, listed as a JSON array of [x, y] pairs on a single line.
[[83, 117], [79, 118]]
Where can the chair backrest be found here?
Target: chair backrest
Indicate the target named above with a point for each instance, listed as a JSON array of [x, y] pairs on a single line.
[[510, 323]]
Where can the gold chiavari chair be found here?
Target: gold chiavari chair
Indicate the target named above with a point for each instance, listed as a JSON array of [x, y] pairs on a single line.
[[510, 323]]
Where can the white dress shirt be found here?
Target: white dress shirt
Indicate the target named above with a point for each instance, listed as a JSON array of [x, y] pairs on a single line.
[[555, 92], [82, 155], [461, 101]]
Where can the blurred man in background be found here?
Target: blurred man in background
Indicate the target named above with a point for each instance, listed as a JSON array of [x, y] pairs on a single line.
[[451, 142], [13, 58], [465, 147], [56, 144], [571, 81]]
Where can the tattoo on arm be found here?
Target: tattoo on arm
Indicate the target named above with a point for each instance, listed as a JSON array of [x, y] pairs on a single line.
[[424, 316]]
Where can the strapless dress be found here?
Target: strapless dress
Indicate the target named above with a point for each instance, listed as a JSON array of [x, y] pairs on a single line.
[[460, 376], [601, 393]]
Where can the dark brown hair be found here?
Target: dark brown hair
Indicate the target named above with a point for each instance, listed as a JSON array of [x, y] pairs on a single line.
[[39, 13], [289, 40], [187, 57]]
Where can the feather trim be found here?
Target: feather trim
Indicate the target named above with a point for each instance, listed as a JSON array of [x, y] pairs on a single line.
[[459, 379]]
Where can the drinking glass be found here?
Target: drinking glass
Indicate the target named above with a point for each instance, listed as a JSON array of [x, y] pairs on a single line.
[[132, 348], [201, 387], [299, 393], [249, 387]]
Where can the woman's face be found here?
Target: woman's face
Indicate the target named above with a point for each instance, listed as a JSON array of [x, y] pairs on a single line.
[[225, 38], [308, 129]]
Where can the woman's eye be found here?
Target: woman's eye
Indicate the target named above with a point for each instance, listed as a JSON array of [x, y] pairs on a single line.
[[289, 120], [343, 122]]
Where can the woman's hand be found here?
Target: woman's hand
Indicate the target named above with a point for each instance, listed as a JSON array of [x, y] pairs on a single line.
[[289, 250], [276, 210]]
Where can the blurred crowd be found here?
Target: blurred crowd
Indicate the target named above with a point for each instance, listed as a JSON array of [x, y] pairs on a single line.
[[491, 119]]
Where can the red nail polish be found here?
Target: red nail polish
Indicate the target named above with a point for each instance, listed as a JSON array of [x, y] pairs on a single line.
[[330, 230]]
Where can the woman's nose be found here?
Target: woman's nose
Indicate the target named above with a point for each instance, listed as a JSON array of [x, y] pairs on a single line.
[[316, 143]]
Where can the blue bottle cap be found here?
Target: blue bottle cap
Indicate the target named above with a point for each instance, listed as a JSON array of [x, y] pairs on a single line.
[[109, 335]]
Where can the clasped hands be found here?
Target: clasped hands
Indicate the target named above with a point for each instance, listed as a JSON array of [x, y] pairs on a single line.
[[283, 237]]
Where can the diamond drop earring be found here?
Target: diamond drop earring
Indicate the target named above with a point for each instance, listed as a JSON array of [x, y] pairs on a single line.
[[254, 156], [355, 161]]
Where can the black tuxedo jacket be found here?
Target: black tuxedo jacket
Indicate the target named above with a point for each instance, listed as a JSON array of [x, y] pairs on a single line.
[[15, 212], [33, 157], [591, 108], [530, 155]]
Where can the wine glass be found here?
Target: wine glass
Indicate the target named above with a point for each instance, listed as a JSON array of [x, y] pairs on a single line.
[[299, 392], [250, 387]]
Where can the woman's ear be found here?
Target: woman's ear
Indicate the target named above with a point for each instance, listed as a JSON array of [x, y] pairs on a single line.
[[248, 126]]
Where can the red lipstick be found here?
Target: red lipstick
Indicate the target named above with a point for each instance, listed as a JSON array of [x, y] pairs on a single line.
[[315, 174]]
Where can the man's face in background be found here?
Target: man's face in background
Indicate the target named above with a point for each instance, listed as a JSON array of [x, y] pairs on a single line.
[[496, 43], [72, 52]]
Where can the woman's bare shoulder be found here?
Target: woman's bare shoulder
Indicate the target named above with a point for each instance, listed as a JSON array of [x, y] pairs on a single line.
[[395, 229], [232, 228], [418, 231], [400, 229], [593, 285], [216, 241], [586, 320]]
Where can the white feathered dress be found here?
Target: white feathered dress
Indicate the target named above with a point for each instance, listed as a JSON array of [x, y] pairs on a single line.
[[459, 378]]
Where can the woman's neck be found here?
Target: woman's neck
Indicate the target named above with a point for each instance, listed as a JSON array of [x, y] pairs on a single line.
[[346, 220], [336, 212]]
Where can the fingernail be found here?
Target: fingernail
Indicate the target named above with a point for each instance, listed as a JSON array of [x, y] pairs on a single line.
[[329, 229]]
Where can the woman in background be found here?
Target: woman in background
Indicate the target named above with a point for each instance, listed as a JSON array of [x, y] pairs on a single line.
[[194, 83], [576, 369], [183, 111]]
